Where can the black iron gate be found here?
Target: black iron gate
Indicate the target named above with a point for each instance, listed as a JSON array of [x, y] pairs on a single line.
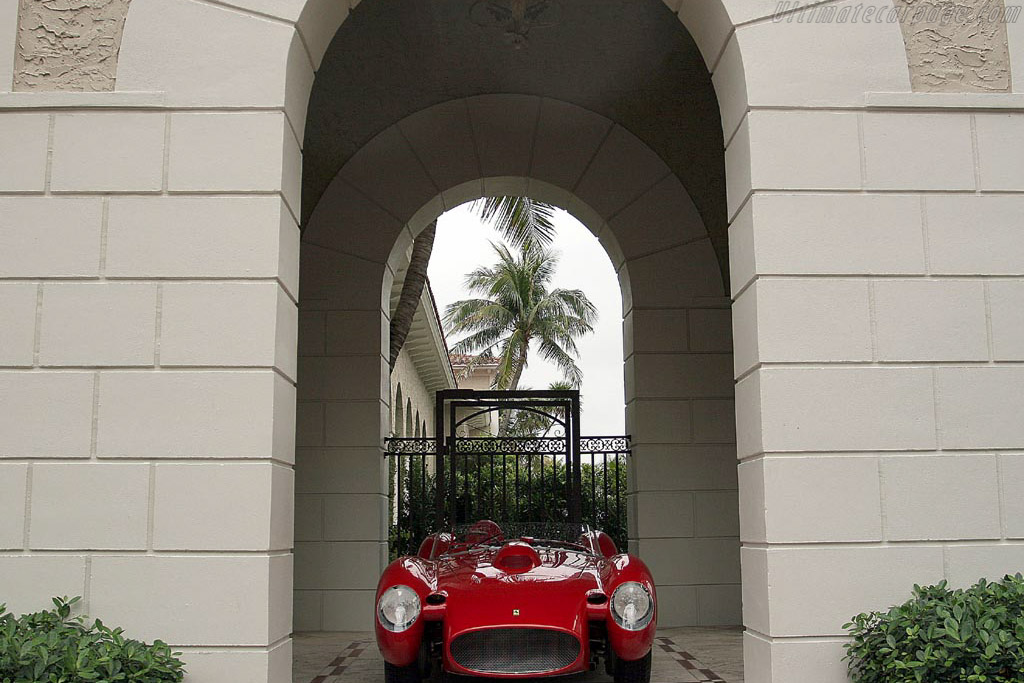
[[551, 475]]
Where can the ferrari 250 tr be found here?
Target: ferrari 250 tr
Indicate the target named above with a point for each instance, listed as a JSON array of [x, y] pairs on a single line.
[[521, 602]]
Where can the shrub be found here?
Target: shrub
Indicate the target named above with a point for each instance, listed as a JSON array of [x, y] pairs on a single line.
[[54, 647], [939, 635]]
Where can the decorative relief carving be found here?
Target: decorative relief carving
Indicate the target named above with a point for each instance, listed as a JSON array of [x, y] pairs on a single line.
[[952, 45], [516, 17], [957, 45], [68, 44]]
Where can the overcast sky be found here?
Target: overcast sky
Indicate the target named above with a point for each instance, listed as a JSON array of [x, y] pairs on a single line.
[[462, 244]]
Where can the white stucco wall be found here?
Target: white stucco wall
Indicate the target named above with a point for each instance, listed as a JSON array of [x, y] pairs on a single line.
[[414, 391]]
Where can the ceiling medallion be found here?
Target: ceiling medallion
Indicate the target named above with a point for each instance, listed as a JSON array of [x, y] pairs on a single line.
[[516, 18]]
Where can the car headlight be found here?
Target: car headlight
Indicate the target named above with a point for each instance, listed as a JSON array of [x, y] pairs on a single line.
[[632, 606], [398, 608]]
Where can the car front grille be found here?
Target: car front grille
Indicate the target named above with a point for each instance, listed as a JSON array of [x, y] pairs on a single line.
[[515, 650]]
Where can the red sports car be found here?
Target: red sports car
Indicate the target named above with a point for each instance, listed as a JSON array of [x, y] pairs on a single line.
[[529, 601]]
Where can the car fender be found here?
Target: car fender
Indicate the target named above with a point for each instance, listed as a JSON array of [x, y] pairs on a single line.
[[629, 645], [402, 649]]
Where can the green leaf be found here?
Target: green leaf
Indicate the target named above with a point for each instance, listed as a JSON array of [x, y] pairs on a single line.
[[943, 636], [52, 647]]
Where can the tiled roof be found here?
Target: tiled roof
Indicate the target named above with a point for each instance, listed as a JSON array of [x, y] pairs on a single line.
[[466, 359]]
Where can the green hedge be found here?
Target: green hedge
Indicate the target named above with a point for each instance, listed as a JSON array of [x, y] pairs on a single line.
[[54, 647], [941, 635], [487, 492]]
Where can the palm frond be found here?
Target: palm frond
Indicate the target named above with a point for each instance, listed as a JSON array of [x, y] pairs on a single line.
[[470, 315], [580, 306], [552, 352], [520, 220], [478, 342]]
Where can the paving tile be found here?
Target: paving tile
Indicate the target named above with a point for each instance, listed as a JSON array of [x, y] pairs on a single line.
[[685, 655]]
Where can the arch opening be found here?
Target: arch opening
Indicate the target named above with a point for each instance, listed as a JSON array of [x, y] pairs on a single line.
[[676, 326]]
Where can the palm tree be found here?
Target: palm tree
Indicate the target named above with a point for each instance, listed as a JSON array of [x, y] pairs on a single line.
[[529, 423], [520, 220], [517, 309]]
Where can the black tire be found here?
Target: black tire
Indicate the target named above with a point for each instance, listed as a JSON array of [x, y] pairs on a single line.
[[401, 674], [635, 671]]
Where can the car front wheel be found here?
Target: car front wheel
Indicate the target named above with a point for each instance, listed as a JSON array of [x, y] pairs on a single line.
[[402, 674], [635, 671]]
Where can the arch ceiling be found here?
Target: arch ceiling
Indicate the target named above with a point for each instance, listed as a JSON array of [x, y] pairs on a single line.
[[633, 63], [395, 184]]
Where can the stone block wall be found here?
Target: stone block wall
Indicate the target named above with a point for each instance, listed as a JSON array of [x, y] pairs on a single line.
[[148, 379], [148, 280], [875, 355], [344, 411], [684, 519], [343, 415]]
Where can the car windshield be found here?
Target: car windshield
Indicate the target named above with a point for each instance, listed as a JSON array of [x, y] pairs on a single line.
[[539, 534]]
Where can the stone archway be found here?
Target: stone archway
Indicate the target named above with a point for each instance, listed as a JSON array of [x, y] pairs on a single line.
[[185, 183], [677, 326]]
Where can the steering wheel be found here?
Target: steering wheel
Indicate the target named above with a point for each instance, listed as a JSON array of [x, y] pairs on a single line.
[[483, 531]]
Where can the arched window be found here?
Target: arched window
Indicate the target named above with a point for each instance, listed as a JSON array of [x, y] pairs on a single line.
[[408, 417], [418, 432], [399, 413], [424, 428]]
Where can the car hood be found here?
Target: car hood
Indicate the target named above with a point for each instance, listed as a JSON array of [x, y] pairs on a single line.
[[552, 594]]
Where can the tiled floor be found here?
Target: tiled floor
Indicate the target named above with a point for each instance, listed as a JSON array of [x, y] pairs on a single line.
[[681, 655]]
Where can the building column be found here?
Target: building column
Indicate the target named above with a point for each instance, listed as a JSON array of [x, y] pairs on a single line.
[[149, 272], [343, 415], [877, 322], [680, 412]]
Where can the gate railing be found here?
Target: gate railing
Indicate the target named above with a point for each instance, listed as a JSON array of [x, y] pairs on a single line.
[[412, 492], [508, 479]]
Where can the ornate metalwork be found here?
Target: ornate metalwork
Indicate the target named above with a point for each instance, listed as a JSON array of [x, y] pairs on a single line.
[[518, 445], [612, 445], [407, 446], [548, 477]]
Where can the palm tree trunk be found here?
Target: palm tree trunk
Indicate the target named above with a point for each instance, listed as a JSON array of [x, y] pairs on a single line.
[[520, 364], [412, 290]]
